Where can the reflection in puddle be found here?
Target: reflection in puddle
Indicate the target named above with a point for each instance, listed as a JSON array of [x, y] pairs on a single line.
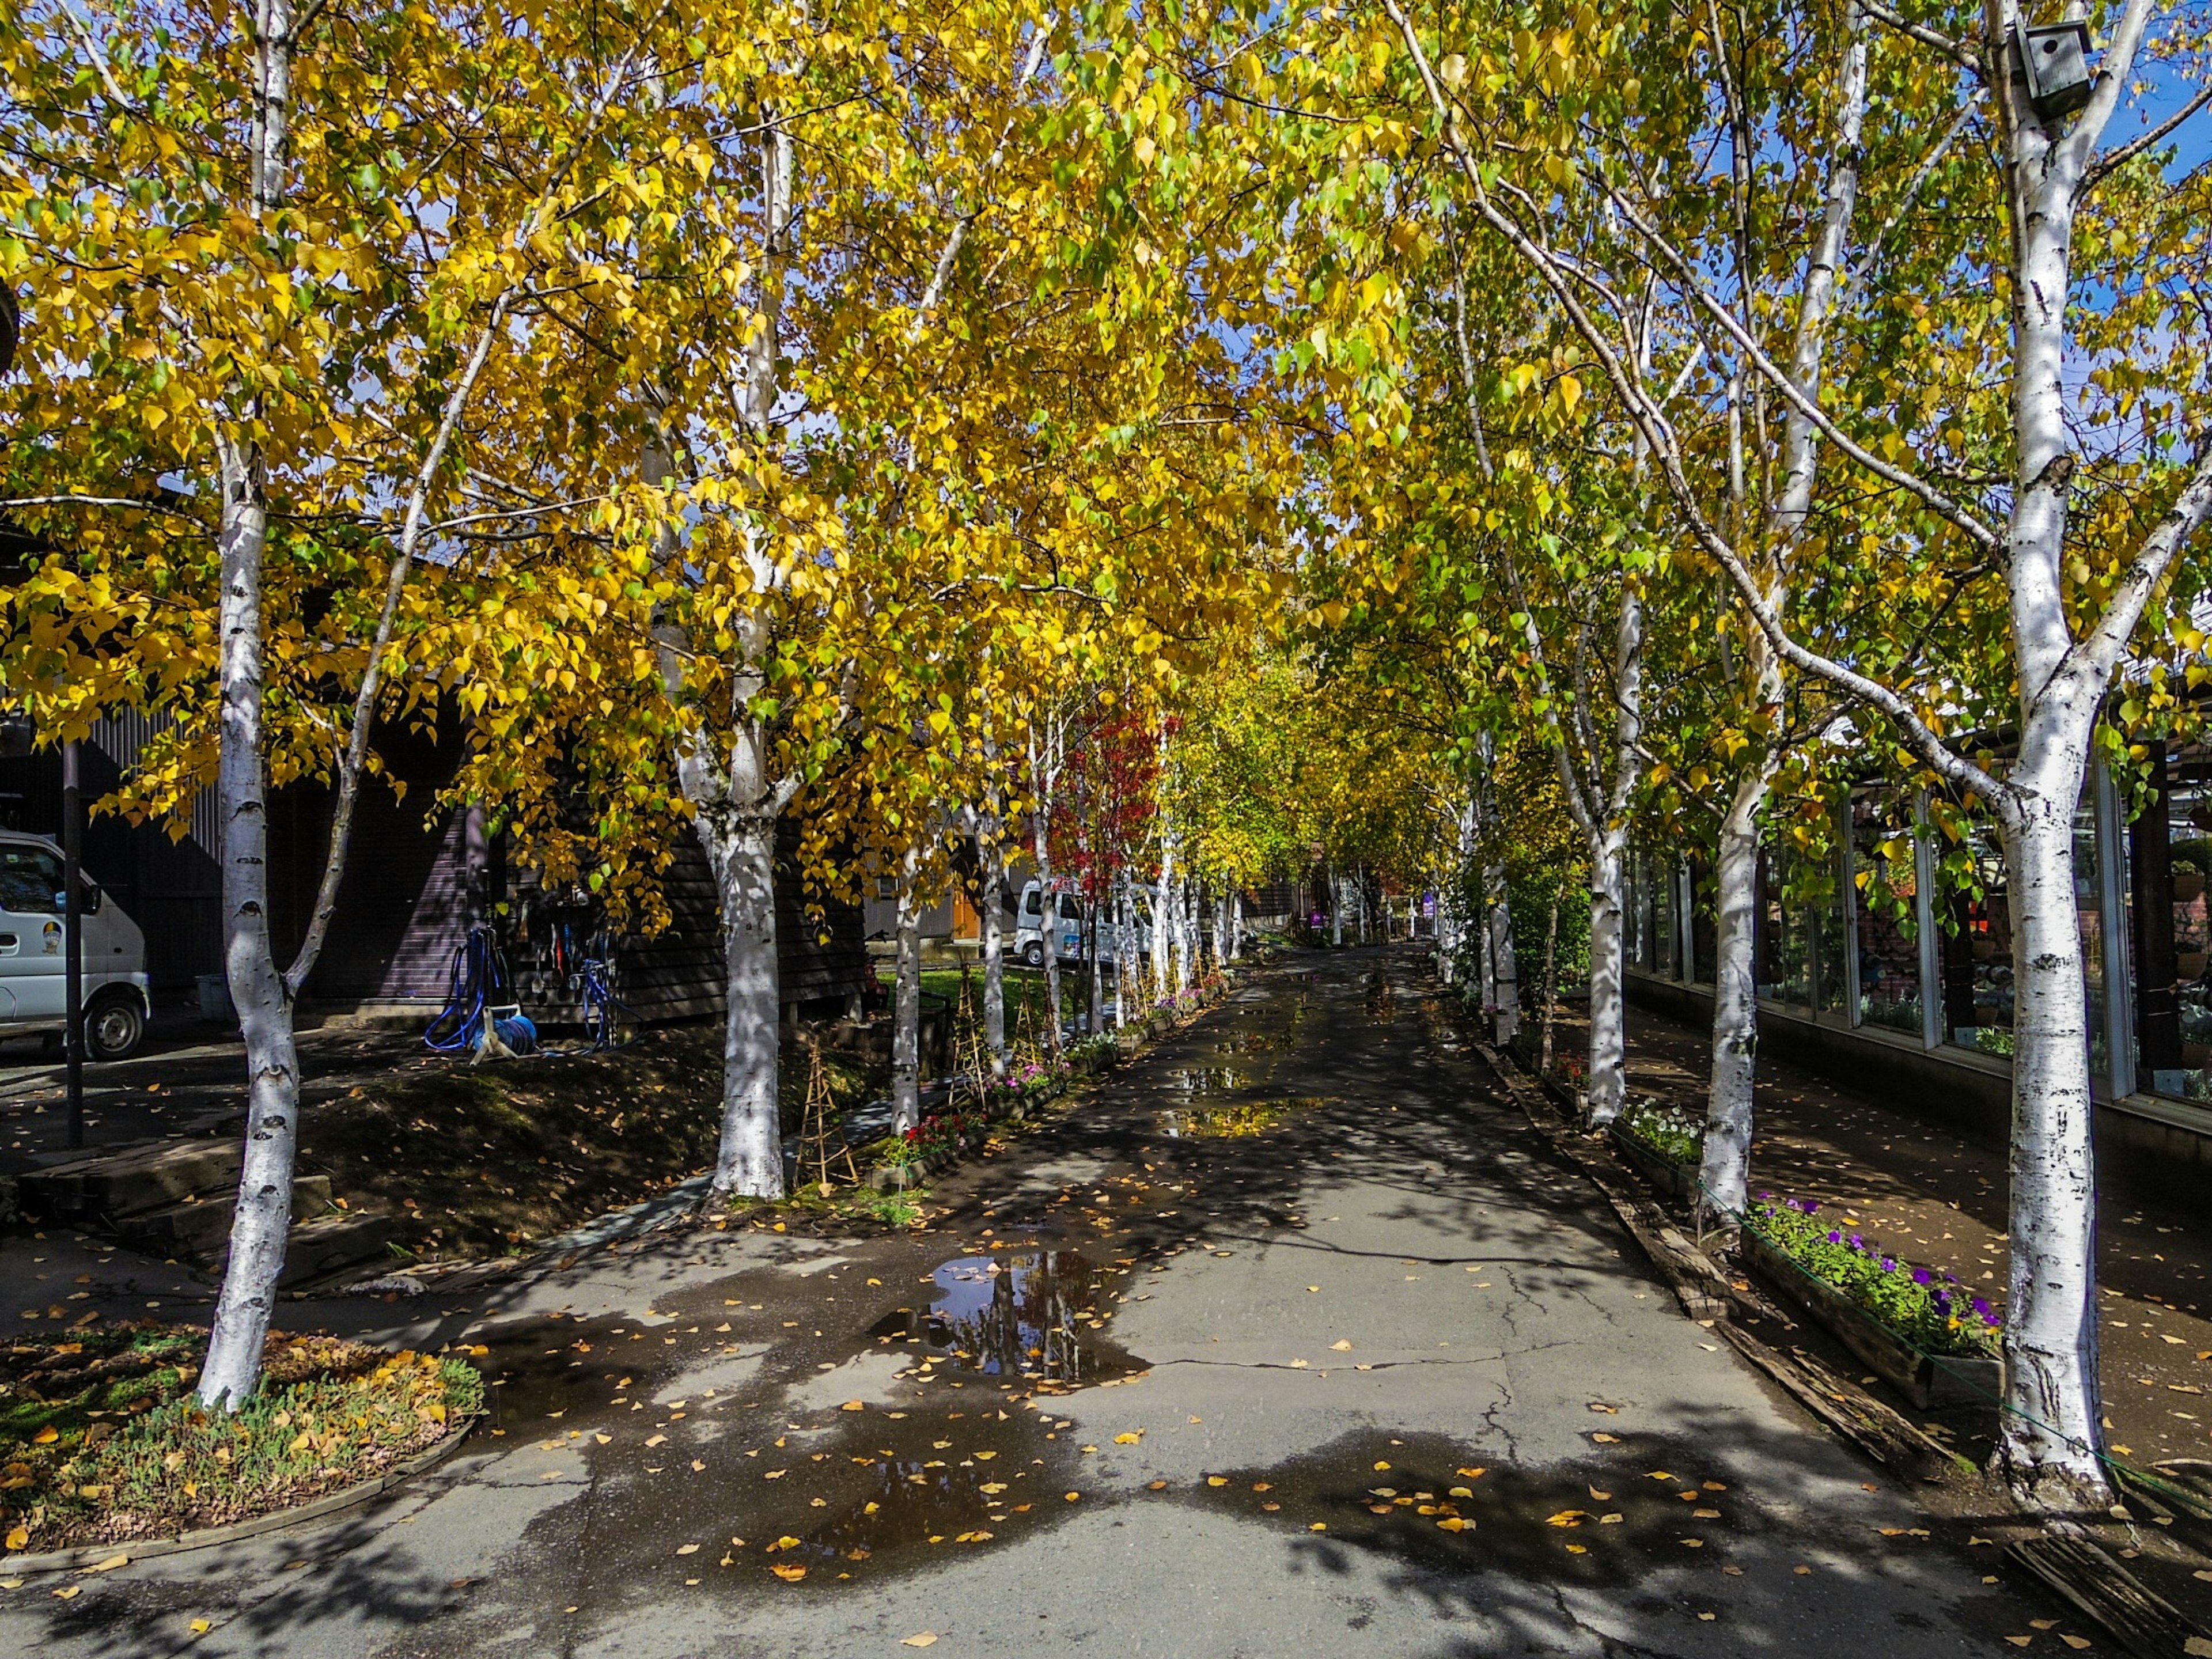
[[933, 1482], [1233, 1123], [1207, 1079], [1022, 1314]]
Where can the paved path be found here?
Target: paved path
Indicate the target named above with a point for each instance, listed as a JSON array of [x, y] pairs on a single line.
[[1262, 1372]]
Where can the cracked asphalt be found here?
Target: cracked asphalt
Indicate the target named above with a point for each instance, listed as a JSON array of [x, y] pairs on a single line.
[[1292, 1337]]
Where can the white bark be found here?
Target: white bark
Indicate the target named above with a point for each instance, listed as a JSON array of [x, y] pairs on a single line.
[[1163, 938], [1505, 974], [906, 1014], [750, 1159], [1727, 1157], [2051, 1319], [263, 1215], [1044, 771], [990, 853]]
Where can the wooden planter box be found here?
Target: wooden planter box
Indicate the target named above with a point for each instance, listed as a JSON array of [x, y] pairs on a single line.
[[1672, 1179], [1920, 1378]]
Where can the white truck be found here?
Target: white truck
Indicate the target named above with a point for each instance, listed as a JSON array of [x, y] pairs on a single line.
[[34, 995]]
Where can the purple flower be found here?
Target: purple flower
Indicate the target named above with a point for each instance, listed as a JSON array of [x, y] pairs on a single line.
[[1808, 1206], [1922, 1276], [1835, 1238], [1889, 1264], [1858, 1243], [1982, 1308]]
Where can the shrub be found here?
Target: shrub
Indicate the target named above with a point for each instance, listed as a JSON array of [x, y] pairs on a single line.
[[1931, 1310]]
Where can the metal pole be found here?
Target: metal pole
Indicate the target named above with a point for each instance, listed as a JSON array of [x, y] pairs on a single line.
[[73, 938]]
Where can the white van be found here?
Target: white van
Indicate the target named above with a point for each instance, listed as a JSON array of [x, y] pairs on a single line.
[[34, 997], [1028, 926], [1074, 937]]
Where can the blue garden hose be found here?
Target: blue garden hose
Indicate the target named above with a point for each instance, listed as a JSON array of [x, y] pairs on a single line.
[[478, 988]]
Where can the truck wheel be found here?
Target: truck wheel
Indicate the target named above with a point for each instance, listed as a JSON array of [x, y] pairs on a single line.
[[1033, 954], [114, 1026]]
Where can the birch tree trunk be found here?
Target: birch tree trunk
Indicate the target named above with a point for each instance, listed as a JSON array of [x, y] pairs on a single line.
[[1731, 1103], [1163, 939], [2051, 1316], [264, 1216], [1335, 907], [1237, 926], [906, 1008], [1506, 975], [750, 1159], [1043, 768], [992, 856], [1725, 1167]]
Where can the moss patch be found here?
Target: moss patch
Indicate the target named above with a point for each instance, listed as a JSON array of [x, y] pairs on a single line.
[[101, 1441]]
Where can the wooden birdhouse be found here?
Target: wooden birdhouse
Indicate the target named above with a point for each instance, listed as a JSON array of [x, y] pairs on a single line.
[[2056, 56]]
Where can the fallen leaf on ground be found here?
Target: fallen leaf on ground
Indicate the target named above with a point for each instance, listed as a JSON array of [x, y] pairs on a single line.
[[1472, 1474], [1600, 1497], [69, 1592], [1217, 1480], [2077, 1643], [790, 1571], [1128, 1439], [1341, 1348], [921, 1638], [1606, 1439], [1567, 1518], [1455, 1523], [655, 1440], [202, 1627], [2044, 1624], [19, 1537], [687, 1549], [854, 1405], [109, 1564]]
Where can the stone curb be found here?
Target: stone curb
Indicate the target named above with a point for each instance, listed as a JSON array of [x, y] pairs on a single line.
[[335, 1502]]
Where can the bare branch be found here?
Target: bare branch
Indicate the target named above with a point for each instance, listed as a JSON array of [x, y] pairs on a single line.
[[1957, 51]]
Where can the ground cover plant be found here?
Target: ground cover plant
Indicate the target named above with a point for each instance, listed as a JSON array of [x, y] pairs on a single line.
[[1669, 1131], [102, 1442], [1931, 1310]]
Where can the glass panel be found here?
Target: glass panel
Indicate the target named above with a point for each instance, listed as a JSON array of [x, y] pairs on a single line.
[[1784, 966], [2170, 858], [1662, 922], [1702, 944], [1888, 904], [1832, 966], [1976, 951], [2089, 903]]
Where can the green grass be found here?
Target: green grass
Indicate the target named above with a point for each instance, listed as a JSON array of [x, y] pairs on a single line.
[[102, 1442]]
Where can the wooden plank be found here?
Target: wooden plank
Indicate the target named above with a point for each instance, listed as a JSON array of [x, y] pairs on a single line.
[[2100, 1589]]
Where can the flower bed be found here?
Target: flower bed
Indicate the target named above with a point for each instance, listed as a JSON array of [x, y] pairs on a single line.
[[1921, 1330], [1932, 1311], [937, 1135], [1672, 1133], [103, 1441]]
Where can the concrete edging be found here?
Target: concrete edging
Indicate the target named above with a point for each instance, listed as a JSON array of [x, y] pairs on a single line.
[[86, 1555]]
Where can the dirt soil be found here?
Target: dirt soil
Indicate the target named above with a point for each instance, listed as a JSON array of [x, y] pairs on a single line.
[[479, 1161], [1921, 1191]]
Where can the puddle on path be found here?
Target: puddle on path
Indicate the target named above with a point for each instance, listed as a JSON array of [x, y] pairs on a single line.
[[1207, 1079], [1029, 1315], [1235, 1122], [1632, 1508]]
